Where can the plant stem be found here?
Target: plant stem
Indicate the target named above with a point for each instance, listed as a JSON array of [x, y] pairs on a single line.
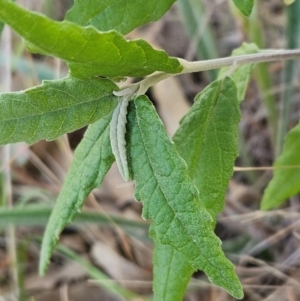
[[262, 57], [189, 67]]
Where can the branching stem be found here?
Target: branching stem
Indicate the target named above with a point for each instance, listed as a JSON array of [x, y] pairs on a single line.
[[263, 56]]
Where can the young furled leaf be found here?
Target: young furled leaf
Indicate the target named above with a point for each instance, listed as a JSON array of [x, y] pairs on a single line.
[[171, 201], [286, 179], [245, 6], [92, 159], [122, 15], [117, 136], [54, 108], [207, 140], [87, 51]]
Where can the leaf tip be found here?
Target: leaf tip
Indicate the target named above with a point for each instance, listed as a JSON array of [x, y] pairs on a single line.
[[44, 261], [42, 269], [269, 199], [233, 286], [235, 289], [245, 7], [239, 295], [265, 205], [50, 240]]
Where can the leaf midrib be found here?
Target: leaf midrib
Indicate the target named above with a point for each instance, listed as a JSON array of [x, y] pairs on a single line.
[[55, 110], [196, 158], [158, 185]]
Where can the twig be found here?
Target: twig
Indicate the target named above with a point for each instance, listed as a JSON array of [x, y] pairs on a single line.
[[263, 56]]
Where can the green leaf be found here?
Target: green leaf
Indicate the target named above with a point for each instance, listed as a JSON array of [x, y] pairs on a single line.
[[223, 169], [171, 201], [54, 108], [87, 51], [172, 272], [92, 159], [207, 141], [245, 6], [241, 74], [2, 26], [123, 16], [289, 2], [286, 179]]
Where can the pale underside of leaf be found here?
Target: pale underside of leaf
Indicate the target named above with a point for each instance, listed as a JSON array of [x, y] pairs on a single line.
[[92, 159], [120, 15], [240, 74], [54, 108], [286, 180], [171, 201], [245, 6], [87, 51], [207, 140], [117, 136]]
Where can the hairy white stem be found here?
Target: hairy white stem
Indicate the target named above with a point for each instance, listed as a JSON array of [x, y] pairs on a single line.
[[126, 92], [263, 56]]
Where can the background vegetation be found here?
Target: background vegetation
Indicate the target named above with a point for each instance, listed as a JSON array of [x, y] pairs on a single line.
[[108, 243]]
